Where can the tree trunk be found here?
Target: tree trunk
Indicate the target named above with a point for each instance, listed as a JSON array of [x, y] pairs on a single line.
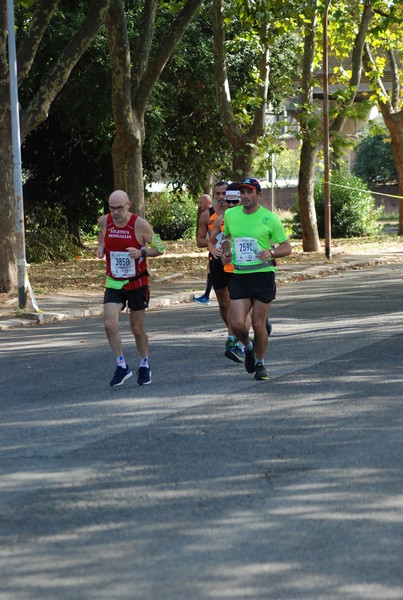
[[310, 236], [394, 123], [390, 106], [242, 159], [306, 178], [36, 111], [8, 237], [133, 80], [243, 143], [127, 158], [75, 232]]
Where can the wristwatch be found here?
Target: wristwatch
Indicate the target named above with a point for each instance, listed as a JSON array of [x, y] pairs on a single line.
[[272, 252], [144, 252]]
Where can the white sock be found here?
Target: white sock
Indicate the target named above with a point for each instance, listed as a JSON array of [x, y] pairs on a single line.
[[120, 360]]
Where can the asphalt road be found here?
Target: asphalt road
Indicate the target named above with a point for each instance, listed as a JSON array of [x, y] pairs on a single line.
[[208, 484]]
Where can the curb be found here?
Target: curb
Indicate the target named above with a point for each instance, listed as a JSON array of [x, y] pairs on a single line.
[[283, 276]]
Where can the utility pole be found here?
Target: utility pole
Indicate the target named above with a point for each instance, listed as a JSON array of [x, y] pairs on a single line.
[[328, 234], [17, 171]]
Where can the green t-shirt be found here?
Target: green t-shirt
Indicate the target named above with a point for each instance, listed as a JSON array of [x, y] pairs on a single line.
[[251, 233]]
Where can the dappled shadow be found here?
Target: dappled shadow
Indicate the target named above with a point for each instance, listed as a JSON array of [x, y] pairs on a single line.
[[206, 484], [231, 498]]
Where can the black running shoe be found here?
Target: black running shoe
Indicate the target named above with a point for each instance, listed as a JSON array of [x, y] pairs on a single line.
[[250, 359], [268, 327], [260, 372], [144, 376], [120, 376]]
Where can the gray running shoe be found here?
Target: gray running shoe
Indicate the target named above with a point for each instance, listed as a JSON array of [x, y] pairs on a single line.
[[260, 372]]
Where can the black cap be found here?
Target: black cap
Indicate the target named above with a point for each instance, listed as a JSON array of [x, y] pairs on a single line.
[[251, 183]]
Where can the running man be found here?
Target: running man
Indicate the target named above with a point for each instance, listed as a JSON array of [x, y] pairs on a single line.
[[219, 278], [205, 204], [123, 240], [253, 238], [234, 350]]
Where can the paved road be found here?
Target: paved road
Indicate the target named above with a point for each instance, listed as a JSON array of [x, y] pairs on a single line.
[[208, 484]]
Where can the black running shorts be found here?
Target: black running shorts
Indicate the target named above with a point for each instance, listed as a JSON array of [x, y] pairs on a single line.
[[219, 278], [135, 299], [258, 286]]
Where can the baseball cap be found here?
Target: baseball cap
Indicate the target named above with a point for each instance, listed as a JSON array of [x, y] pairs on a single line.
[[251, 183], [232, 193]]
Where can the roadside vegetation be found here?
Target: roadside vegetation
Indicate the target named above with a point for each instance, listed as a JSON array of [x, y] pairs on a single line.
[[85, 274]]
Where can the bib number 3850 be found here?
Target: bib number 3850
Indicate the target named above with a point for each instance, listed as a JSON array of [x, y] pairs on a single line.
[[122, 265]]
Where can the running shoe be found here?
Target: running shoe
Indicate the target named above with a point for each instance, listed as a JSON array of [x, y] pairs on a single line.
[[268, 327], [202, 300], [260, 372], [234, 352], [144, 376], [250, 359], [120, 376]]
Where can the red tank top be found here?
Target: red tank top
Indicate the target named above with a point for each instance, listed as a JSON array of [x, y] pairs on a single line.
[[118, 263]]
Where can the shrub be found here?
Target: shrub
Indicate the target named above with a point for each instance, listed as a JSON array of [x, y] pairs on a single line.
[[353, 211], [47, 237], [172, 214], [374, 161]]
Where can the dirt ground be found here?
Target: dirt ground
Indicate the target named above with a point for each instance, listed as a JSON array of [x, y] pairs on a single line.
[[86, 273]]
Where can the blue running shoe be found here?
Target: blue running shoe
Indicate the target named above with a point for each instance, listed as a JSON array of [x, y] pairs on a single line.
[[202, 300], [120, 376], [234, 352], [144, 376]]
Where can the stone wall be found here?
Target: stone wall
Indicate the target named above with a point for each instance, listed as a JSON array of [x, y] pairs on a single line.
[[285, 198]]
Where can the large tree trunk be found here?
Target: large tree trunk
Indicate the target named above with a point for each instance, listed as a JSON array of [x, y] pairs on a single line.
[[129, 121], [243, 143], [310, 236], [52, 81], [127, 157], [8, 238], [392, 113], [242, 159], [394, 123], [133, 79]]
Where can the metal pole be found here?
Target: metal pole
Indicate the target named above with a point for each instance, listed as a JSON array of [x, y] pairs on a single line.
[[16, 142], [328, 234]]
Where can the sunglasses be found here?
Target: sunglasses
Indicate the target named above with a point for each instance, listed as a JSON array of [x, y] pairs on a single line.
[[232, 200]]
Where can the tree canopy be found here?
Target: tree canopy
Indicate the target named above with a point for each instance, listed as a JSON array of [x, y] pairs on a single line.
[[119, 93]]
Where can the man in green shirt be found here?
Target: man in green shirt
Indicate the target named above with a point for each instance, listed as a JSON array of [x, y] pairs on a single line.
[[254, 238]]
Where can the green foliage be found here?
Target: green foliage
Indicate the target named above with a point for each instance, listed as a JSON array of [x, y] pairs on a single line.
[[185, 143], [353, 211], [172, 214], [47, 236], [374, 159], [286, 161], [67, 159]]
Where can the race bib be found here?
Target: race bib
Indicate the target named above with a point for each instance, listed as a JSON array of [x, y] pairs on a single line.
[[122, 265], [246, 250]]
